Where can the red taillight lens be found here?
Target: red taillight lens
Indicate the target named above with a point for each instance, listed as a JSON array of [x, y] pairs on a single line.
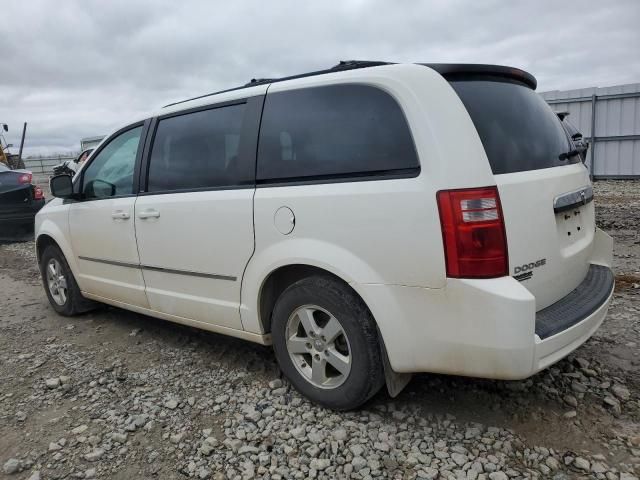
[[38, 194], [25, 178], [473, 233]]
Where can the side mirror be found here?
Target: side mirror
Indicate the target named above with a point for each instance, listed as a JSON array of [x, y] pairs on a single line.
[[61, 186], [5, 127]]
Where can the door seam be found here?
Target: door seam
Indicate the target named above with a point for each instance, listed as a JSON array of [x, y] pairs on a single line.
[[253, 209]]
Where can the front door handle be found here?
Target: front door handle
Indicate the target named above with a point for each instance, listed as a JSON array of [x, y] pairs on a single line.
[[120, 215], [149, 214]]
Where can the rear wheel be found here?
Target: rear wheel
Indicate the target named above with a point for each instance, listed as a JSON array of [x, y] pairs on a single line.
[[60, 285], [326, 343]]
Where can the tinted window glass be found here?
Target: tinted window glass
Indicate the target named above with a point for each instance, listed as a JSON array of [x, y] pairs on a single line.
[[111, 171], [517, 128], [333, 131], [198, 150]]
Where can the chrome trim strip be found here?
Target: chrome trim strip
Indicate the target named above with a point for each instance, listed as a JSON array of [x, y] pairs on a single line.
[[110, 262], [189, 273], [160, 269], [569, 200]]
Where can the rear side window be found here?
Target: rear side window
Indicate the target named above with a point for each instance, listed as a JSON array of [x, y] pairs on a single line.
[[517, 128], [333, 131], [198, 150]]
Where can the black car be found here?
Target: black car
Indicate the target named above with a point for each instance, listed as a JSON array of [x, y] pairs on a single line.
[[20, 200]]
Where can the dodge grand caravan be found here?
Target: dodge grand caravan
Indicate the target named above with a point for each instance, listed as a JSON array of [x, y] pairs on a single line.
[[368, 221]]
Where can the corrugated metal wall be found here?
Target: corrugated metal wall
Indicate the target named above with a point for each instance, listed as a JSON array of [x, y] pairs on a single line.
[[616, 151]]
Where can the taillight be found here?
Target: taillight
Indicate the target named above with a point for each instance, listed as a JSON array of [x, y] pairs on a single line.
[[38, 194], [25, 178], [473, 233]]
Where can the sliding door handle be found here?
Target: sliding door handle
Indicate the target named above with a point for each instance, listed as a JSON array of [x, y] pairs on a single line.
[[120, 215], [149, 214]]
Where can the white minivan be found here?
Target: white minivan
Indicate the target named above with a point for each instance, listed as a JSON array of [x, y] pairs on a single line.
[[368, 221]]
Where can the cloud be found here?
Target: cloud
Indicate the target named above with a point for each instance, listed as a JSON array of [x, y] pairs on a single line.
[[82, 68]]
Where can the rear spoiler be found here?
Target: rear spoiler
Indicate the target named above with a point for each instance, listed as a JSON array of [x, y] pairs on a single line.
[[452, 71]]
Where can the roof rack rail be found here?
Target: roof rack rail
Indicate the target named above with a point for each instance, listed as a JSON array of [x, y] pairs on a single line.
[[258, 81], [341, 66], [349, 64]]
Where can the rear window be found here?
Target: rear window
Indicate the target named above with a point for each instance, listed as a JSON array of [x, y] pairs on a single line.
[[333, 131], [517, 128]]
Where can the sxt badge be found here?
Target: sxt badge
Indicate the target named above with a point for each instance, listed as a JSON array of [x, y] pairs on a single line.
[[524, 272]]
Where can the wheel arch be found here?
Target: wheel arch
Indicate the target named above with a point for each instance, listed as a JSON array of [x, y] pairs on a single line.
[[42, 242], [279, 279], [48, 233]]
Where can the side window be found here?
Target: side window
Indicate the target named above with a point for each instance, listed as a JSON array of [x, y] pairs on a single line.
[[198, 150], [111, 171], [338, 130]]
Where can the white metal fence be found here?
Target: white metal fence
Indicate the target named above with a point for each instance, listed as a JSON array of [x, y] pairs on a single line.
[[610, 118]]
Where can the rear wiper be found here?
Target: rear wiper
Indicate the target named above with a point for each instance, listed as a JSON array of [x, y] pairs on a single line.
[[569, 154]]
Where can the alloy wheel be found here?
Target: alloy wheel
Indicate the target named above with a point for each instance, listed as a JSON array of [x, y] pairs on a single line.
[[318, 346], [56, 282]]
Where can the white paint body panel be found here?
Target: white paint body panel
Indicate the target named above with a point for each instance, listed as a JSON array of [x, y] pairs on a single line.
[[209, 233], [55, 224], [95, 234], [383, 237], [534, 232]]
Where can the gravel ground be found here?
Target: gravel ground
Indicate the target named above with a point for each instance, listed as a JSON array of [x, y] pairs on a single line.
[[113, 394]]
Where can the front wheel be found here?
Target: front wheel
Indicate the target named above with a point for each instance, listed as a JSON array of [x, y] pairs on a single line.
[[326, 343], [60, 285]]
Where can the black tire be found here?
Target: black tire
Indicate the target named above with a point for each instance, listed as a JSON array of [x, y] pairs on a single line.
[[75, 303], [366, 375]]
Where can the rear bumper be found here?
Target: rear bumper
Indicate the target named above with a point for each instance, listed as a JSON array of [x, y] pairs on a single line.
[[579, 304], [22, 215], [485, 328], [551, 349]]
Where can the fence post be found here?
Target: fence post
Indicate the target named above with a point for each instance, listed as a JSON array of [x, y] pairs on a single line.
[[593, 136]]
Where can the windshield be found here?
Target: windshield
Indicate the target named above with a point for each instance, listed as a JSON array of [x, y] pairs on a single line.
[[517, 128]]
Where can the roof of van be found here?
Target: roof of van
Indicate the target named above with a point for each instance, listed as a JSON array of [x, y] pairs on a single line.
[[450, 71]]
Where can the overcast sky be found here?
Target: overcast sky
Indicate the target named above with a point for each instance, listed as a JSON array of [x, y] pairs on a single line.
[[74, 69]]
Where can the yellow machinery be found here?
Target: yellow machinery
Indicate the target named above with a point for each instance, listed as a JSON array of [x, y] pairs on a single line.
[[11, 161], [3, 157]]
